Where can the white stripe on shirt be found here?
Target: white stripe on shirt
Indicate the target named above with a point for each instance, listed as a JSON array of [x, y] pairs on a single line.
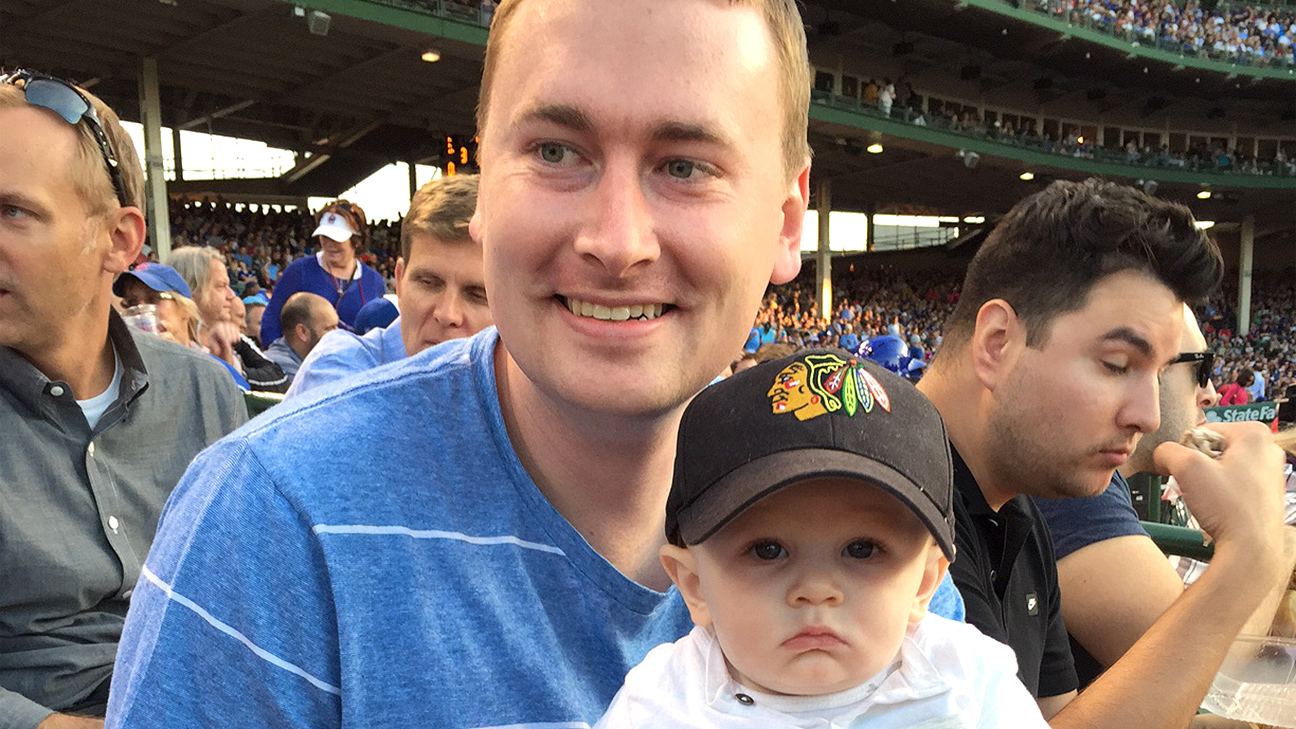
[[364, 529], [262, 653]]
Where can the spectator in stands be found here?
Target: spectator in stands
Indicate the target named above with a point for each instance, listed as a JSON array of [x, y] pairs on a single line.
[[178, 318], [1070, 310], [99, 421], [334, 272], [204, 270], [377, 314], [238, 315], [255, 306], [305, 318], [440, 287], [1236, 393], [1106, 610], [552, 436]]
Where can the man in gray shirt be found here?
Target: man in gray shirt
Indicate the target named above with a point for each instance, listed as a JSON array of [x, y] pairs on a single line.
[[99, 421]]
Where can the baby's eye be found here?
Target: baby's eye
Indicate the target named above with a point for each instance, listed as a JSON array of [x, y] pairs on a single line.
[[768, 550], [860, 549]]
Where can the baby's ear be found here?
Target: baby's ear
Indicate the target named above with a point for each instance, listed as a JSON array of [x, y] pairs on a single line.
[[681, 565], [933, 575]]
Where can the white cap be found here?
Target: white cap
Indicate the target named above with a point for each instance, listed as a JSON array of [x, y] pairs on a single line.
[[334, 226]]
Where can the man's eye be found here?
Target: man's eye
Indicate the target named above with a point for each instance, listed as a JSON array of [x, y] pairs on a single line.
[[12, 212], [768, 550], [553, 153], [860, 549], [1115, 368], [681, 169]]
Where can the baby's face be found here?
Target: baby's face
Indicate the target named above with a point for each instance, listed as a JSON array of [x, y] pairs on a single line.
[[811, 590]]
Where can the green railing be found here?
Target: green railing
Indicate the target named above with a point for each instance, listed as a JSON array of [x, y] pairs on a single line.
[[852, 112]]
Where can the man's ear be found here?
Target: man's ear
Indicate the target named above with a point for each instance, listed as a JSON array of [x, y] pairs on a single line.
[[996, 343], [301, 332], [788, 262], [126, 230], [681, 565], [933, 574], [400, 274]]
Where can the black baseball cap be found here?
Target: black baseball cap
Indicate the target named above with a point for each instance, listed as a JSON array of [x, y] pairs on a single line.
[[818, 413]]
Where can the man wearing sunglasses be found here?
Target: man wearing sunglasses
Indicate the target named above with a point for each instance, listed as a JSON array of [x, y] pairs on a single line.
[[1106, 610], [98, 422]]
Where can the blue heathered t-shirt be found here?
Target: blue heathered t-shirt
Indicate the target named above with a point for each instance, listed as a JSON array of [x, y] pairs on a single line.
[[340, 355], [375, 555]]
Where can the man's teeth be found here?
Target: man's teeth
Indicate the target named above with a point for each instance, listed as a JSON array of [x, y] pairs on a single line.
[[642, 312]]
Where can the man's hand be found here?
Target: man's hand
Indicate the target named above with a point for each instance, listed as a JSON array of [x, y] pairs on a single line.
[[67, 721], [221, 337], [1237, 499]]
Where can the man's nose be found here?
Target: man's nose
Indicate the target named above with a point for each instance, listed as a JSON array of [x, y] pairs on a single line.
[[618, 231]]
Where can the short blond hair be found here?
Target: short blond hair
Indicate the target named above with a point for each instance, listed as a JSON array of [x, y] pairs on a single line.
[[88, 172], [787, 31], [441, 209]]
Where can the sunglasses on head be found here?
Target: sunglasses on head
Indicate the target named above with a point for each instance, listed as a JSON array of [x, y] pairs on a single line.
[[1205, 363], [64, 99]]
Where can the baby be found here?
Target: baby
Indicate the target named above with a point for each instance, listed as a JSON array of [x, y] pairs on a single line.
[[810, 520]]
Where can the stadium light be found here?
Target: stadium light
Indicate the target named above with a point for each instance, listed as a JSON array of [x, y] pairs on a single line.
[[1027, 176], [431, 55], [874, 148], [1204, 195]]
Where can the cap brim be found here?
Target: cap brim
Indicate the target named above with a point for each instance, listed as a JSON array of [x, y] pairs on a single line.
[[333, 232], [724, 500]]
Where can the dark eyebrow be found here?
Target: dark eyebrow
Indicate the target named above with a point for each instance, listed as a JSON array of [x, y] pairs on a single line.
[[1130, 337], [563, 115]]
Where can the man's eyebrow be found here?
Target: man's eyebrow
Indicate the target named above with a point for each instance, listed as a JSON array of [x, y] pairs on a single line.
[[1130, 337], [683, 132], [13, 197], [563, 115]]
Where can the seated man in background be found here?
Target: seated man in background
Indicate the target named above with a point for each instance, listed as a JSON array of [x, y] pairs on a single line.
[[1106, 610], [255, 305], [1071, 311], [304, 320], [98, 421], [439, 284]]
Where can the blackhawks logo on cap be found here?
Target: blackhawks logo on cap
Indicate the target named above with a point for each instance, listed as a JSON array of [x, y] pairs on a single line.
[[826, 383]]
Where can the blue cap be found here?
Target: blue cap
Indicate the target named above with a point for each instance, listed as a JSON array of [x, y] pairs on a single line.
[[156, 276], [257, 299], [377, 313]]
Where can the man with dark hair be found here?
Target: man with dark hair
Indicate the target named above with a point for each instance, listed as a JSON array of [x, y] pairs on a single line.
[[1071, 311], [1106, 610], [304, 320], [98, 421]]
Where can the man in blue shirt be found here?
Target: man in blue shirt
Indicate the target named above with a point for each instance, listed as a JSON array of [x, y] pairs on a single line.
[[469, 538]]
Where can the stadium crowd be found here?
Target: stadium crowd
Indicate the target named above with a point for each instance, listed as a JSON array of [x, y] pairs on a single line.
[[258, 242], [1247, 34]]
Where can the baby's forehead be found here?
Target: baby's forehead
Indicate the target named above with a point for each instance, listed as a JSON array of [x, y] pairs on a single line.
[[829, 504]]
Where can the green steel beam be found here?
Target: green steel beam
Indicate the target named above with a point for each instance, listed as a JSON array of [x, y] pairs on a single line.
[[840, 111], [400, 15]]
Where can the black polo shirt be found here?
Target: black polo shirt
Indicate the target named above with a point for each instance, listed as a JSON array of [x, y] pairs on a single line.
[[1007, 575]]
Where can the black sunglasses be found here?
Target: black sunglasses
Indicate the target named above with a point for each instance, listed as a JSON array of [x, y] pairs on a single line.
[[1205, 363], [64, 99]]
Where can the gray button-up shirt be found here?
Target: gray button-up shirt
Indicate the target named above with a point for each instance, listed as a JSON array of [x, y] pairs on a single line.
[[78, 510]]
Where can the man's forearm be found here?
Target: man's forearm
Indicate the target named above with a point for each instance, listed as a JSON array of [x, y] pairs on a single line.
[[19, 712], [1262, 619], [1160, 682]]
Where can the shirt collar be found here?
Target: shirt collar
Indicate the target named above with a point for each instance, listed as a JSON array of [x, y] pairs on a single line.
[[910, 677], [38, 392]]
